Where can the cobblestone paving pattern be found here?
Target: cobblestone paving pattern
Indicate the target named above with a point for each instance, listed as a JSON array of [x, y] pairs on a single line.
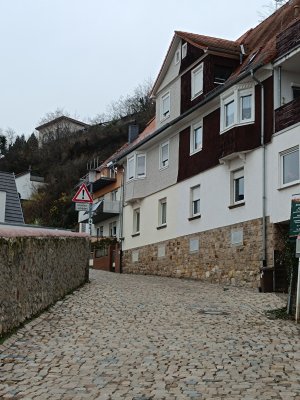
[[143, 337]]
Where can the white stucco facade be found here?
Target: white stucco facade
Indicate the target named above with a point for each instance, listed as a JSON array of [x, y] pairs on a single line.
[[27, 184]]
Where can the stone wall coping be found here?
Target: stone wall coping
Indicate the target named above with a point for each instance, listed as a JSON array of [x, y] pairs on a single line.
[[9, 231]]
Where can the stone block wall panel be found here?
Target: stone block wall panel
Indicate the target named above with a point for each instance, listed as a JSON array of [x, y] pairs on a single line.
[[37, 271], [217, 260]]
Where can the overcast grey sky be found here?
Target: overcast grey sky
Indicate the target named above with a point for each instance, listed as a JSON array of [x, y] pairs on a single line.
[[81, 55]]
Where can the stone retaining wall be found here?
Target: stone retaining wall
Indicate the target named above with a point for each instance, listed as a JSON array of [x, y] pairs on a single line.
[[217, 259], [36, 270]]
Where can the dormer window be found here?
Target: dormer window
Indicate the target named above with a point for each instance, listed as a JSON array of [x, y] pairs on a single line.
[[165, 106], [197, 81]]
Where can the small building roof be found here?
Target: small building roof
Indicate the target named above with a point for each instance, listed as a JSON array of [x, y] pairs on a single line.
[[60, 119]]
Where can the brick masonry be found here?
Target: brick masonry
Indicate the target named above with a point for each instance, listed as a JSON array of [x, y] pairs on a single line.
[[217, 260], [36, 272]]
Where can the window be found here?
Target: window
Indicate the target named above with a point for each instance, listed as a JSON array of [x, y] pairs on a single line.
[[136, 166], [184, 50], [130, 168], [177, 57], [195, 201], [238, 194], [197, 81], [162, 212], [113, 195], [246, 107], [237, 107], [141, 165], [296, 91], [136, 220], [229, 113], [164, 155], [196, 138], [165, 106], [113, 229], [100, 231], [290, 166]]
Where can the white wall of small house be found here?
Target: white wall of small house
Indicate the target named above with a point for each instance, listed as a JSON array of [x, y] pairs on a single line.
[[26, 187]]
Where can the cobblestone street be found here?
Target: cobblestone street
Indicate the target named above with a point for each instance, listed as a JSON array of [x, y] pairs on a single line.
[[143, 337]]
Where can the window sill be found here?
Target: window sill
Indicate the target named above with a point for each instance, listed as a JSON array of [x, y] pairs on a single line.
[[135, 234], [287, 185], [161, 227], [194, 217], [236, 205], [162, 119], [195, 151]]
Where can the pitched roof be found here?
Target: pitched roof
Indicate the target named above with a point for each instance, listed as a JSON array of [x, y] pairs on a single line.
[[59, 119], [259, 42], [209, 43], [13, 210]]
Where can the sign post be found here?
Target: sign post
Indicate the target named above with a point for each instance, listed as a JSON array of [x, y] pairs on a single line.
[[83, 202], [295, 234]]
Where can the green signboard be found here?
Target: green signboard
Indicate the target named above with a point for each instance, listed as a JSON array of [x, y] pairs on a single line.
[[295, 216]]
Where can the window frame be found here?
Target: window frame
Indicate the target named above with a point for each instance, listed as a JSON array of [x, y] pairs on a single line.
[[194, 74], [283, 154], [129, 160], [235, 176], [136, 221], [177, 57], [195, 127], [113, 226], [161, 166], [295, 87], [140, 176], [162, 205], [193, 200], [165, 114], [236, 95], [134, 160], [184, 50]]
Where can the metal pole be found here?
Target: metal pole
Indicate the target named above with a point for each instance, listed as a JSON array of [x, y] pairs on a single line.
[[90, 210], [298, 294]]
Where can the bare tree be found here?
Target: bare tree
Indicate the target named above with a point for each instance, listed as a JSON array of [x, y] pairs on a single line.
[[270, 8], [10, 135], [50, 116]]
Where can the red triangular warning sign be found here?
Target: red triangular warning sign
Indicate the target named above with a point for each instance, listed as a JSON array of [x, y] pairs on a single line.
[[82, 195]]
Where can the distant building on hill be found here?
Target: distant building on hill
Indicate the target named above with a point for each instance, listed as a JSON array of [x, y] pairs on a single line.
[[58, 128]]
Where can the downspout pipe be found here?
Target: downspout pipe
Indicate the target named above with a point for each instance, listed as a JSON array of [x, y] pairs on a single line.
[[262, 142]]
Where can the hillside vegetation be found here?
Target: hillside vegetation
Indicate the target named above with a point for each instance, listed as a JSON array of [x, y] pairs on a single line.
[[62, 162]]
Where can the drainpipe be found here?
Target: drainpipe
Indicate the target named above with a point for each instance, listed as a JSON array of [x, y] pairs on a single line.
[[262, 142], [121, 238], [279, 88]]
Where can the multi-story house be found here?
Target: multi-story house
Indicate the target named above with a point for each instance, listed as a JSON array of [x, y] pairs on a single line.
[[105, 184], [207, 193]]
